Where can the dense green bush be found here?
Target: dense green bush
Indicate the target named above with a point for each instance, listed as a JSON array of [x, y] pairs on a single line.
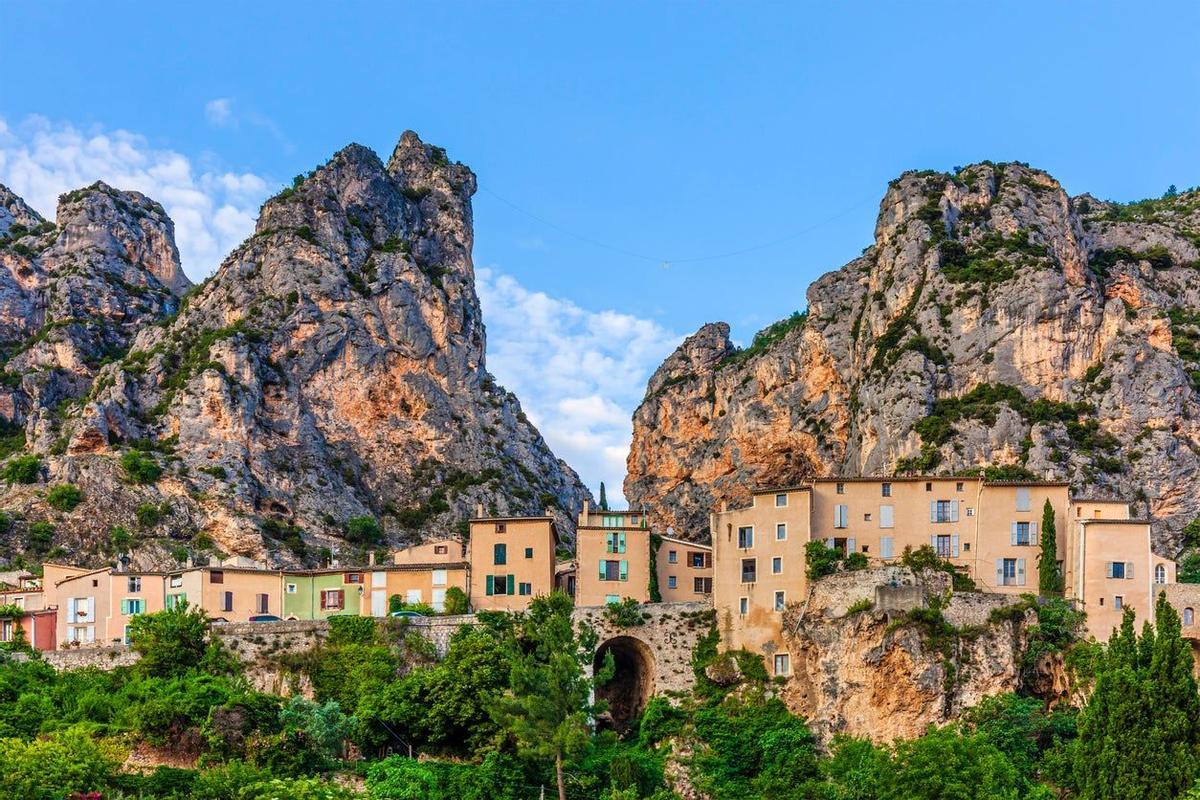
[[64, 496], [363, 530], [23, 469], [140, 467]]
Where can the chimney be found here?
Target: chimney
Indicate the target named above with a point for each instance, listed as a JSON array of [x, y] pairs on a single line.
[[479, 511], [371, 559], [548, 511]]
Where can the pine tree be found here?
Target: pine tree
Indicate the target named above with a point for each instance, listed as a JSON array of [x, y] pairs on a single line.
[[548, 707], [603, 498], [1139, 736], [1049, 580]]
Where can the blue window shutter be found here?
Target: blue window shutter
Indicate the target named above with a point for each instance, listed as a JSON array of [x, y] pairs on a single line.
[[954, 546], [1013, 542], [510, 584], [491, 585]]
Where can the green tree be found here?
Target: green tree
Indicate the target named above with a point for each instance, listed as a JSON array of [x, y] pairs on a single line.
[[41, 536], [944, 764], [48, 769], [603, 498], [363, 530], [1049, 580], [170, 642], [140, 467], [1139, 735], [549, 702], [456, 601], [1189, 568], [821, 560], [23, 469]]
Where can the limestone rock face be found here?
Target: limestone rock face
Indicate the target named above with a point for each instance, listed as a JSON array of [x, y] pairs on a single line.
[[994, 323], [332, 368]]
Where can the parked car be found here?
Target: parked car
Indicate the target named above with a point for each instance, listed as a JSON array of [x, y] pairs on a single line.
[[265, 618], [407, 614]]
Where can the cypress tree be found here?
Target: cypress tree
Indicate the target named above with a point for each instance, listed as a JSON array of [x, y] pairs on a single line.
[[1139, 736], [1049, 580], [603, 498]]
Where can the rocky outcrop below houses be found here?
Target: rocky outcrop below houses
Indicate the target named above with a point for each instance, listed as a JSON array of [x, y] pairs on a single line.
[[995, 323], [332, 368]]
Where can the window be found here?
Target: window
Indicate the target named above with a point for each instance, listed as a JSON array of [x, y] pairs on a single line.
[[886, 547], [1010, 572], [942, 545], [440, 550], [1160, 574], [780, 600], [783, 664], [529, 552], [501, 527], [227, 600], [776, 565], [886, 489], [744, 606], [1189, 616], [633, 520], [135, 584], [943, 511], [841, 515], [1118, 602], [262, 603], [352, 577], [672, 556], [614, 542], [671, 582], [929, 487], [1021, 534], [699, 559], [887, 516], [438, 578], [173, 600], [867, 516], [612, 521], [499, 584], [780, 531], [612, 570], [746, 537], [749, 570], [525, 589], [702, 585], [1116, 569], [781, 501], [841, 488], [958, 487], [216, 576], [500, 553], [333, 599], [176, 581], [1023, 501], [970, 512], [133, 605], [611, 599], [291, 588]]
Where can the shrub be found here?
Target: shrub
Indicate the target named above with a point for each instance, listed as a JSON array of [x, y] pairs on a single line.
[[148, 514], [456, 601], [69, 761], [41, 537], [821, 560], [23, 469], [859, 606], [625, 614], [64, 496], [363, 530], [140, 467], [169, 642]]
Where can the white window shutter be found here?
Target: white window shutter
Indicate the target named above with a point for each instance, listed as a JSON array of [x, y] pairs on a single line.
[[885, 546], [1128, 570], [1020, 572], [1013, 541], [933, 510], [886, 517], [954, 546], [999, 571], [1108, 569], [851, 546], [829, 543], [954, 511], [933, 541]]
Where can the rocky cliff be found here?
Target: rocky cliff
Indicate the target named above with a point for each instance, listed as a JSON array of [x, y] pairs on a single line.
[[995, 324], [333, 368]]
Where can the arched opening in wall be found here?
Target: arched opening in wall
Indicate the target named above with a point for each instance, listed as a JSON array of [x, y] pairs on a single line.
[[632, 683]]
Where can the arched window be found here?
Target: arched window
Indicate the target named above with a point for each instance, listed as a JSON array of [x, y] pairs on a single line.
[[1160, 574], [1189, 616]]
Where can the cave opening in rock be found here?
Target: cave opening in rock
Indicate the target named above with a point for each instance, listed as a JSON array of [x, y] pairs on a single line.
[[632, 682]]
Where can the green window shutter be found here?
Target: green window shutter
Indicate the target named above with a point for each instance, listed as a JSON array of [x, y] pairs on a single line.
[[124, 606], [491, 585], [510, 584], [500, 554], [604, 572], [621, 542], [624, 570]]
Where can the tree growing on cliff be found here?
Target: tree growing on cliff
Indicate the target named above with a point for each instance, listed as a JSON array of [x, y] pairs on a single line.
[[1140, 733], [170, 642], [549, 703], [1049, 580]]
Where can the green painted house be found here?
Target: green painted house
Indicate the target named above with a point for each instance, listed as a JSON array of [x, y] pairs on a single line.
[[320, 594]]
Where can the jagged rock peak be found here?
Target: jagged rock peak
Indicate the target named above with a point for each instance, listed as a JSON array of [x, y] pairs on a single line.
[[15, 211], [995, 323]]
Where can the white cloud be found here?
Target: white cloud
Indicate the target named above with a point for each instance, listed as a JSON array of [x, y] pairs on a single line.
[[213, 211], [579, 373], [218, 111]]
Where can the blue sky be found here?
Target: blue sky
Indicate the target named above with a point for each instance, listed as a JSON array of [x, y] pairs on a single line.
[[652, 133]]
